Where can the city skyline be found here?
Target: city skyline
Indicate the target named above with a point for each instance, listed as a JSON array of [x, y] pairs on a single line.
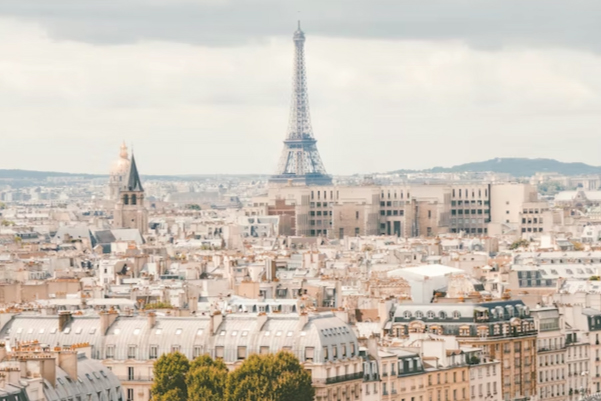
[[387, 94]]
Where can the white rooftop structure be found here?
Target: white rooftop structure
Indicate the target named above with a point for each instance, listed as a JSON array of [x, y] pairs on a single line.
[[425, 280], [424, 272]]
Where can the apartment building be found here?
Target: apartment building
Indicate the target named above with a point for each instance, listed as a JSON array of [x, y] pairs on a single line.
[[504, 330], [515, 210], [470, 208], [129, 345], [402, 375], [409, 210], [485, 380], [551, 354]]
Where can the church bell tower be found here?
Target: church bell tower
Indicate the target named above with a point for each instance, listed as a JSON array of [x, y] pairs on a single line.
[[129, 210]]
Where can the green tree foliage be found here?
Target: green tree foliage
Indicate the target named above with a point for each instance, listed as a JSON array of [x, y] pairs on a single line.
[[520, 243], [170, 377], [193, 207], [578, 246], [550, 188], [176, 394], [206, 379], [158, 305], [278, 377]]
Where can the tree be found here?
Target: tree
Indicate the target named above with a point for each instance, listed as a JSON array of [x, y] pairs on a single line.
[[173, 394], [578, 246], [278, 377], [170, 377], [206, 380], [520, 243]]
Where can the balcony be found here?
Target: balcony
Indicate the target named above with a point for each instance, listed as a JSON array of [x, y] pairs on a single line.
[[344, 378], [371, 378], [134, 378]]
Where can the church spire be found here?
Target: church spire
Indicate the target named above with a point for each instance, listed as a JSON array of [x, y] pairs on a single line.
[[133, 180]]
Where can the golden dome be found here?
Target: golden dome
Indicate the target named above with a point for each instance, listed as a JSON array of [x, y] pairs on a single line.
[[121, 166]]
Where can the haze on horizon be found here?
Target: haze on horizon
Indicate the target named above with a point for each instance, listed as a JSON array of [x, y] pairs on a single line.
[[203, 87]]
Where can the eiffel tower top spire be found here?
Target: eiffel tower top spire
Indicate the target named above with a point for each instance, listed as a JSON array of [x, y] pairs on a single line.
[[300, 160], [300, 119]]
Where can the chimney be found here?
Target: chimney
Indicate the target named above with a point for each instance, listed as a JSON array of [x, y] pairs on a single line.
[[383, 308], [338, 294], [67, 361], [303, 319], [152, 319], [107, 318], [216, 319], [372, 346], [64, 318]]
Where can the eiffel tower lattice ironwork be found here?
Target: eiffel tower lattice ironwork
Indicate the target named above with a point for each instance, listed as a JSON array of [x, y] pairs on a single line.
[[300, 160]]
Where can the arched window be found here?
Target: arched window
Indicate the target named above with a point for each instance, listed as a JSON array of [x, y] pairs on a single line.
[[456, 314], [431, 314], [134, 199], [407, 314], [419, 314], [126, 199], [442, 314]]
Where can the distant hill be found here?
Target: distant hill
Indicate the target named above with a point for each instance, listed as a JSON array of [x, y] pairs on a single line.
[[12, 174], [39, 175], [519, 167]]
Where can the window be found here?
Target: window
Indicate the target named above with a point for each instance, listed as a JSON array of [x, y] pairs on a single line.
[[131, 352], [130, 373], [241, 353], [431, 314], [264, 350], [154, 352], [219, 352], [130, 394], [309, 353], [110, 352], [197, 351], [175, 348], [419, 314], [456, 314]]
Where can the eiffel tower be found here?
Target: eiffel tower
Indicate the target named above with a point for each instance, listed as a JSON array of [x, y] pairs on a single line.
[[300, 162]]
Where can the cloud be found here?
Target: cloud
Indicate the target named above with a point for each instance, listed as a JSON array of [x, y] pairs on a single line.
[[485, 24], [195, 104]]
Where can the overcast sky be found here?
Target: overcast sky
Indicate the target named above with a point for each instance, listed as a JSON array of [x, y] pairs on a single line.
[[203, 86]]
